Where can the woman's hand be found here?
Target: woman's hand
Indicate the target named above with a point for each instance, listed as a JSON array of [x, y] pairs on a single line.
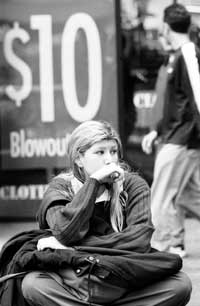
[[110, 173], [50, 242]]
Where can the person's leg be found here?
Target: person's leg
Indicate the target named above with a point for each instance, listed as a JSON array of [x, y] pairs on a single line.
[[49, 288], [189, 199], [173, 291], [171, 168], [43, 288]]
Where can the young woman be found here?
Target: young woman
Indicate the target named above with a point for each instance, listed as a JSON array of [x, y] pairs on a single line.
[[101, 208]]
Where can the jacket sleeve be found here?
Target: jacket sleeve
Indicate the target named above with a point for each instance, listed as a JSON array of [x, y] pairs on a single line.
[[138, 230], [70, 222], [160, 89]]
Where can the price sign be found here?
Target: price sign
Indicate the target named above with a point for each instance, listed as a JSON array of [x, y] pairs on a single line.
[[62, 66]]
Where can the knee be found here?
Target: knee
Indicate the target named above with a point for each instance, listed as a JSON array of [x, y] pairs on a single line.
[[30, 285], [182, 287]]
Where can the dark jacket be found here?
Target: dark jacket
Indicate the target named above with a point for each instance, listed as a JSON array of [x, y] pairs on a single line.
[[124, 258], [125, 268], [180, 122]]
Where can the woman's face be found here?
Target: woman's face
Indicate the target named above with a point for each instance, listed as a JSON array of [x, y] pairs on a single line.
[[100, 154]]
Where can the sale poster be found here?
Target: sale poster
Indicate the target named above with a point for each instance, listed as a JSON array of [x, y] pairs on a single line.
[[60, 63]]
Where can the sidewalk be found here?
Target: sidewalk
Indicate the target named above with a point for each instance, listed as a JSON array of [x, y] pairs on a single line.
[[191, 264], [9, 229]]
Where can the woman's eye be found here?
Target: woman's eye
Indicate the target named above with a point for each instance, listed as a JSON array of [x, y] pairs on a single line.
[[99, 152], [113, 152]]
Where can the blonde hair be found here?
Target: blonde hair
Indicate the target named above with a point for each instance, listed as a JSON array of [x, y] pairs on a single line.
[[81, 139]]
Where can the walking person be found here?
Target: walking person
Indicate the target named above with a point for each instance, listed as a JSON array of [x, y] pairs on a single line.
[[176, 181], [101, 207]]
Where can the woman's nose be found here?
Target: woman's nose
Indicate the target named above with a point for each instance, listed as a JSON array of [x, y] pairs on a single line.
[[108, 158]]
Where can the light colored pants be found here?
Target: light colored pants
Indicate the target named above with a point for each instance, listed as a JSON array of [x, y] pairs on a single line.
[[42, 289], [176, 183]]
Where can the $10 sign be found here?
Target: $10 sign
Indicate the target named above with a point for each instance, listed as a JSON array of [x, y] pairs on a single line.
[[43, 24]]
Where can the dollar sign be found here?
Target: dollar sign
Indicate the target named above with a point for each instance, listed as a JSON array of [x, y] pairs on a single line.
[[17, 93]]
